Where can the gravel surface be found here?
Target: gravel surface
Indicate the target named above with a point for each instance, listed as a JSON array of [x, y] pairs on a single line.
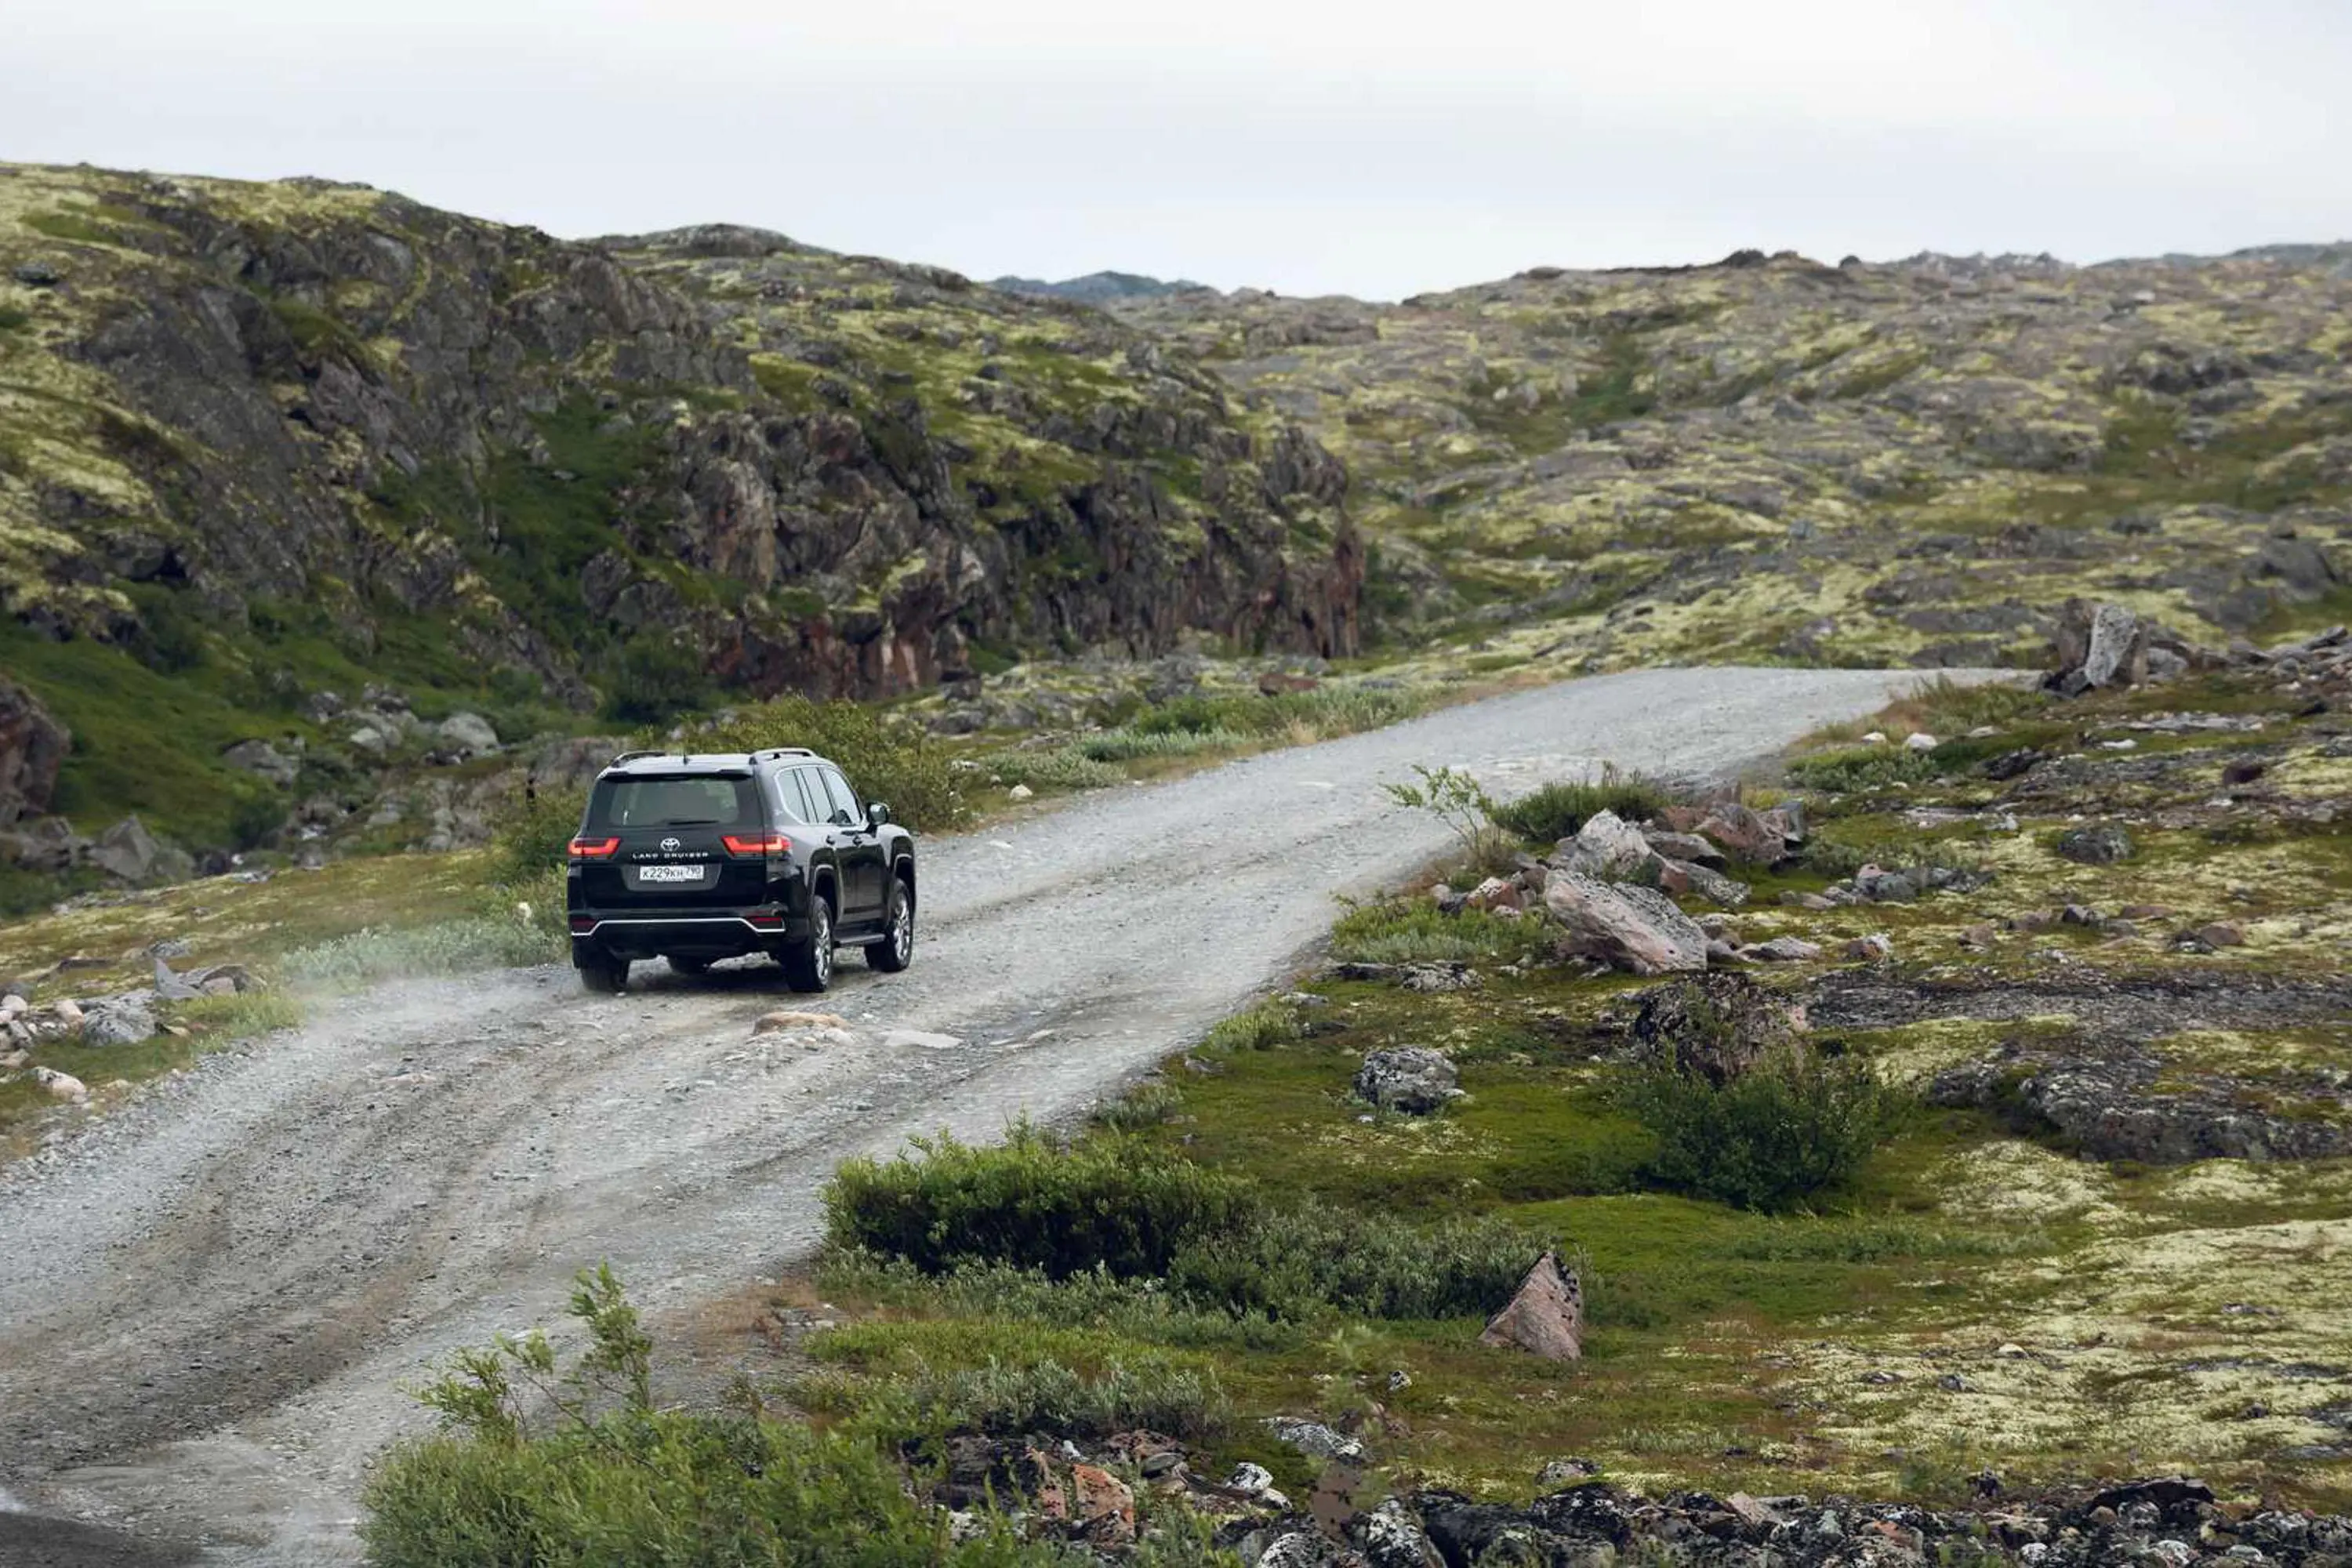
[[213, 1299]]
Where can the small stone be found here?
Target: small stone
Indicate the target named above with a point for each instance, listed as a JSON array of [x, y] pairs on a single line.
[[774, 1023], [1922, 742], [1021, 791], [60, 1085], [2100, 845], [1250, 1480], [1394, 1539], [1313, 1438], [1545, 1318], [117, 1024], [1782, 950], [68, 1012], [1103, 1505], [1561, 1472], [1871, 948], [2221, 933], [1874, 738], [1412, 1079], [469, 734]]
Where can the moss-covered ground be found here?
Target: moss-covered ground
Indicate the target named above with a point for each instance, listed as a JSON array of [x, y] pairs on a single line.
[[1977, 1296]]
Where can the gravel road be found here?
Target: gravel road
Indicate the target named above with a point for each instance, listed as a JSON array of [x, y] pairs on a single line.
[[210, 1303]]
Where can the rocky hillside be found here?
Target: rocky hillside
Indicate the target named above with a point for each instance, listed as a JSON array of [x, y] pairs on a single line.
[[1096, 288], [1914, 463], [306, 464]]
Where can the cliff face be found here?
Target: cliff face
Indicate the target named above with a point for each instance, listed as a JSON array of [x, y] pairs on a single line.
[[227, 408]]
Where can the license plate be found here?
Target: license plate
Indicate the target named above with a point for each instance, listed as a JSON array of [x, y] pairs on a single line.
[[669, 873]]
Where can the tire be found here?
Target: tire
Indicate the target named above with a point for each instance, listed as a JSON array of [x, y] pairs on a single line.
[[808, 965], [604, 975], [687, 967], [896, 948]]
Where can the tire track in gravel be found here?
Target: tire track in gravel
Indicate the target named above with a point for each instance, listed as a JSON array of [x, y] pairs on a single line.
[[209, 1303]]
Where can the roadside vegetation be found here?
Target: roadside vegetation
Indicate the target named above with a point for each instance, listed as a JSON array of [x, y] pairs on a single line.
[[1831, 1270], [1153, 739]]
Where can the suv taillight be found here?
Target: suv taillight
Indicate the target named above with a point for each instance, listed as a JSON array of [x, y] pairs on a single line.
[[764, 844], [593, 848]]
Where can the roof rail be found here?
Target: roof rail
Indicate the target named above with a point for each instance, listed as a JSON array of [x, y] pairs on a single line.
[[633, 756], [782, 752]]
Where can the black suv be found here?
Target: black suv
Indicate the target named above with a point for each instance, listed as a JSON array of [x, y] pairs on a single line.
[[697, 859]]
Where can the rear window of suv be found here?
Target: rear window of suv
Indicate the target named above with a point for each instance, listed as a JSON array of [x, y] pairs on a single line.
[[696, 801]]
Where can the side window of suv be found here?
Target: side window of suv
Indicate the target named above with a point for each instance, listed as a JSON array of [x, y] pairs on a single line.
[[847, 811], [808, 802], [788, 799]]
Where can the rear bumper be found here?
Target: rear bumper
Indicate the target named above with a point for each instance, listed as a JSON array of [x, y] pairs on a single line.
[[707, 934]]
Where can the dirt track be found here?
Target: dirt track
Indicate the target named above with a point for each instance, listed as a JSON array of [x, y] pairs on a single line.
[[209, 1305]]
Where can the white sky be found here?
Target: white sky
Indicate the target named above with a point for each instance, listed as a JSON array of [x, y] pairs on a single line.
[[1373, 147]]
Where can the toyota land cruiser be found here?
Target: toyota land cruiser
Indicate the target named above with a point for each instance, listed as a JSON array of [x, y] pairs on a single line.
[[693, 859]]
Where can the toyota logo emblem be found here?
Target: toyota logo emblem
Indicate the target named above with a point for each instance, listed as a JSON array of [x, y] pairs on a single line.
[[669, 844]]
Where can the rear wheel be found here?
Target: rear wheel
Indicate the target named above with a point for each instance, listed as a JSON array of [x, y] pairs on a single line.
[[603, 974], [808, 965], [896, 948]]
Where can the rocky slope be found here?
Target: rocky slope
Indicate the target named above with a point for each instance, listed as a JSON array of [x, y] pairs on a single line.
[[263, 447], [1770, 459]]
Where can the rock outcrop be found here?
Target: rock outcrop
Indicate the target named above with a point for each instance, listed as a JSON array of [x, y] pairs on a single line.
[[33, 746], [274, 416]]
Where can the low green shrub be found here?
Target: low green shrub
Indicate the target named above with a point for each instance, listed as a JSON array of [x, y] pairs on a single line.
[[445, 947], [1768, 1140], [1263, 1027], [241, 1017], [918, 1380], [1113, 1208], [897, 763], [1845, 769], [651, 681], [1031, 1202], [1095, 1300], [1145, 1105], [572, 1469], [1325, 711], [1289, 1264], [1545, 815], [1126, 745], [1414, 931], [1052, 767], [529, 831]]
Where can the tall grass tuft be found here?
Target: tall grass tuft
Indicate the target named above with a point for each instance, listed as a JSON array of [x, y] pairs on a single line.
[[1555, 812]]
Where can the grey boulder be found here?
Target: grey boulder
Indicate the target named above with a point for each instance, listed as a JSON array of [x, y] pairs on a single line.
[[1412, 1080], [1636, 929]]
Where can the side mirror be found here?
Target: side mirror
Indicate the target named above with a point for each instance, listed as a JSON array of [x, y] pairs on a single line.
[[876, 814]]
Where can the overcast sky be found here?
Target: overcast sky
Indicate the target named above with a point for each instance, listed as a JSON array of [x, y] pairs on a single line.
[[1373, 147]]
